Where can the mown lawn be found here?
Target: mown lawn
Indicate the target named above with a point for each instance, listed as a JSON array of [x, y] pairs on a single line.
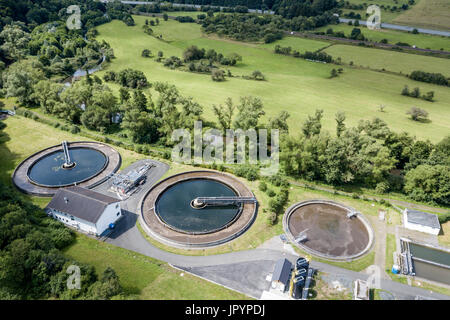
[[146, 278], [294, 85]]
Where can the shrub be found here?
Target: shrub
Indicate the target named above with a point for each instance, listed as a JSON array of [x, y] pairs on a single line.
[[382, 187], [262, 186], [417, 114], [444, 217], [271, 219], [248, 172], [218, 75], [271, 193]]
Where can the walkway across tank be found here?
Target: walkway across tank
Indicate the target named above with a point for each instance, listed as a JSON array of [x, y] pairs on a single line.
[[328, 229], [85, 164], [198, 209]]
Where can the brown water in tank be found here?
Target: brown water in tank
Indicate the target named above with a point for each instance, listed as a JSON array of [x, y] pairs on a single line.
[[329, 231]]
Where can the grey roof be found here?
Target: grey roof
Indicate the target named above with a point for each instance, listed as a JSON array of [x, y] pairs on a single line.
[[282, 270], [423, 218], [82, 203]]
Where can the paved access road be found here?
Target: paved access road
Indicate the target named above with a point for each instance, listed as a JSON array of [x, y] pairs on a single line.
[[401, 28], [244, 271]]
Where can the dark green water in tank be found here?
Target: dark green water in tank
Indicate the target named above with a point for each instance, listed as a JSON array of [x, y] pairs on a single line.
[[48, 171], [174, 206]]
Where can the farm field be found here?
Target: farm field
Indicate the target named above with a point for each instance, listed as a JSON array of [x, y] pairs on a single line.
[[389, 60], [295, 85], [433, 14], [424, 41]]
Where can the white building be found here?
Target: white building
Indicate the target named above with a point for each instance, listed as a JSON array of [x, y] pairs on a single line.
[[84, 209], [421, 221], [361, 290]]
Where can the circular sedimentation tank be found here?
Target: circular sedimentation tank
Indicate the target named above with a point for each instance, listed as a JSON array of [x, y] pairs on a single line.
[[171, 214], [42, 173], [51, 170], [328, 229]]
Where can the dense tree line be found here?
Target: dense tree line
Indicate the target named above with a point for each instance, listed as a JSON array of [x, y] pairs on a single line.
[[253, 27], [436, 78], [315, 56], [128, 77], [286, 8], [368, 154], [36, 12]]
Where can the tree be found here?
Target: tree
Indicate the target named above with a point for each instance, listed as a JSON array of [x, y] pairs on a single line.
[[417, 114], [257, 75], [142, 126], [225, 115], [340, 125], [405, 91], [312, 125], [146, 53], [165, 17], [280, 122], [218, 75], [333, 73], [20, 83], [124, 95], [46, 93], [250, 110], [429, 183], [428, 96], [140, 100], [15, 42]]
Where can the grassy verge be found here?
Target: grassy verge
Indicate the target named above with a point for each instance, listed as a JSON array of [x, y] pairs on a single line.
[[321, 290], [431, 287], [146, 278]]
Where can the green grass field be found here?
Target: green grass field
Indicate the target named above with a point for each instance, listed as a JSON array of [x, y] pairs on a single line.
[[433, 14], [420, 40], [144, 277], [294, 85], [389, 60]]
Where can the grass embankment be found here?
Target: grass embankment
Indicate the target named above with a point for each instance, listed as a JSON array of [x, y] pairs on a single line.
[[425, 41], [295, 85], [146, 278]]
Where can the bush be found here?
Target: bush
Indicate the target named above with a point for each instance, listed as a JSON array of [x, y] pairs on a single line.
[[382, 187], [417, 114], [271, 219], [248, 172], [271, 193], [218, 75], [262, 186], [444, 217], [74, 129]]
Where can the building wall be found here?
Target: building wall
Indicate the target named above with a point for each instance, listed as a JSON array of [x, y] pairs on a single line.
[[74, 222], [418, 227], [110, 215]]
